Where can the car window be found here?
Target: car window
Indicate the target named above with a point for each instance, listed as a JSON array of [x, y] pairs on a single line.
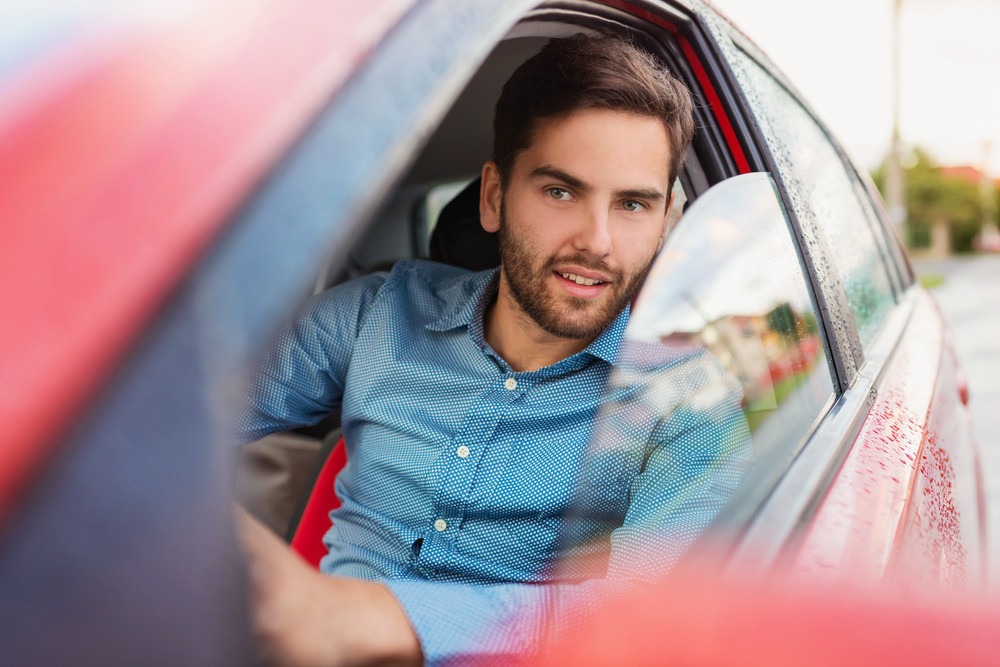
[[721, 376], [822, 190], [887, 237]]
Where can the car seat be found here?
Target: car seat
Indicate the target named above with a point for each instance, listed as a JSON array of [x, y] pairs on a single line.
[[458, 237]]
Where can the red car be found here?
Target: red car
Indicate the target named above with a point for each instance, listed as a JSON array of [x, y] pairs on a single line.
[[176, 180]]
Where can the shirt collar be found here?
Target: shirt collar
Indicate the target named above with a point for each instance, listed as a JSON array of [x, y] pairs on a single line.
[[466, 299], [466, 302], [607, 345]]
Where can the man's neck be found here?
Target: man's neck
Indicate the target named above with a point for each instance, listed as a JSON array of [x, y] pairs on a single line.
[[519, 340]]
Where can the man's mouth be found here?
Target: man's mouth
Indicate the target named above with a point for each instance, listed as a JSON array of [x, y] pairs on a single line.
[[580, 280]]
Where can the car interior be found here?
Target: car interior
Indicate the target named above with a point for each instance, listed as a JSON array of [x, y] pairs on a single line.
[[432, 213]]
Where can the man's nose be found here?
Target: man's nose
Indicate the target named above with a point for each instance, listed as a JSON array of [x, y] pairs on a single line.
[[594, 233]]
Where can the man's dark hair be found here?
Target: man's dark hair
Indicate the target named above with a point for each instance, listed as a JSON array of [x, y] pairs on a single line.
[[582, 72]]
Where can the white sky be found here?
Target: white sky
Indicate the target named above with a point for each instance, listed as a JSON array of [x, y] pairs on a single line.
[[838, 54]]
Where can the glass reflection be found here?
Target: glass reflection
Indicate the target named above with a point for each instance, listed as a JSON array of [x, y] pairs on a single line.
[[721, 375]]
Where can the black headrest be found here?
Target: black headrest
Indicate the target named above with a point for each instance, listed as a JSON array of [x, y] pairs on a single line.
[[458, 238]]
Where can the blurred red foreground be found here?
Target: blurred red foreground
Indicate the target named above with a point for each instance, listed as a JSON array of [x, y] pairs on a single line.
[[692, 618]]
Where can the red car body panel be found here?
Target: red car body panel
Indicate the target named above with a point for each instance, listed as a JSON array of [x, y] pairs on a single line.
[[123, 155], [896, 508]]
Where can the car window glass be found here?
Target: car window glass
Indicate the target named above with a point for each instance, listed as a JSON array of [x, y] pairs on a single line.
[[721, 375], [821, 189], [881, 223]]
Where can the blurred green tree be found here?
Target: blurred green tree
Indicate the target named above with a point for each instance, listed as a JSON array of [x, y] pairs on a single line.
[[951, 204]]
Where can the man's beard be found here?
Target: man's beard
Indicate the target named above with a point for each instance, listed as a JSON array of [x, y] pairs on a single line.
[[526, 275]]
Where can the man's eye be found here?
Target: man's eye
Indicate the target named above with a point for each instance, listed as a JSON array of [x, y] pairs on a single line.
[[558, 193], [633, 205]]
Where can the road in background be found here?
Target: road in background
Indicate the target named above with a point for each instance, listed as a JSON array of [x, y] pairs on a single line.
[[969, 298]]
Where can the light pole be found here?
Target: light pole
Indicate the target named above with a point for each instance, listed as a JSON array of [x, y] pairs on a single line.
[[895, 183], [989, 234]]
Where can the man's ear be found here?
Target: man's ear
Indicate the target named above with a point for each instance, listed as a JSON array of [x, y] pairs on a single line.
[[490, 195]]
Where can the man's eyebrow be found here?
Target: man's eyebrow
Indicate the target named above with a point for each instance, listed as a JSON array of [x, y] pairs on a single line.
[[548, 171], [560, 175], [652, 195]]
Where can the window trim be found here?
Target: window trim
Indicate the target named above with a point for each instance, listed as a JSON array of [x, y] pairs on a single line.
[[845, 345]]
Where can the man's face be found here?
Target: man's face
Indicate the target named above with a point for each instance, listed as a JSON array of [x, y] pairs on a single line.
[[581, 218]]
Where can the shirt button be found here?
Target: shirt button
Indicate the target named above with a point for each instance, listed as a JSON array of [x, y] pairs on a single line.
[[440, 525], [462, 452], [510, 384]]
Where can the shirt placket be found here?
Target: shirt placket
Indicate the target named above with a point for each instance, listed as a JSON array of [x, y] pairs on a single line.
[[465, 451]]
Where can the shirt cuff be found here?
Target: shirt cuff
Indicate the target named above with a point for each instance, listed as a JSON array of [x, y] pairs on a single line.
[[464, 623]]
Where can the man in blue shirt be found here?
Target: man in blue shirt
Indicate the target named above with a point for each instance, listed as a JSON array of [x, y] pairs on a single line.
[[468, 399]]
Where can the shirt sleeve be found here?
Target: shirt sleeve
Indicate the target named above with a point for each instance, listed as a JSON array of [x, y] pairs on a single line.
[[700, 454], [302, 376], [503, 624]]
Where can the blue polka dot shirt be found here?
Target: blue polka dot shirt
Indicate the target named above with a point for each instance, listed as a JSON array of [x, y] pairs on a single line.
[[461, 472]]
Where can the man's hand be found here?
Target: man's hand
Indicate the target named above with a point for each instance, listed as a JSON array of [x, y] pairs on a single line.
[[304, 618]]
